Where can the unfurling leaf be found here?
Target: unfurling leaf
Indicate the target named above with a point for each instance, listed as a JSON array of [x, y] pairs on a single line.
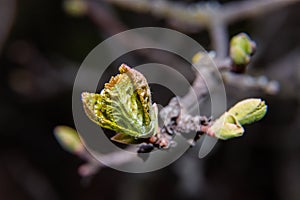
[[229, 125], [124, 106]]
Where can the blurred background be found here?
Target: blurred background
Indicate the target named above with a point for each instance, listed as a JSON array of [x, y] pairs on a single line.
[[42, 44]]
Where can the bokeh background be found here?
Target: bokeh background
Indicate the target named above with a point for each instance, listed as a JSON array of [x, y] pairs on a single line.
[[42, 45]]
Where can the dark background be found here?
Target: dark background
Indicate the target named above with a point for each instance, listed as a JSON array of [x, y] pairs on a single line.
[[38, 62]]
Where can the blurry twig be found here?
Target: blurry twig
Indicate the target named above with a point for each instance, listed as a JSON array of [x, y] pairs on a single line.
[[212, 16], [110, 24], [202, 14], [219, 37], [236, 11], [70, 141], [40, 79], [7, 15], [248, 82], [104, 18]]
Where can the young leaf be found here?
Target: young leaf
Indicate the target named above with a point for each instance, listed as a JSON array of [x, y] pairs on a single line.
[[124, 105]]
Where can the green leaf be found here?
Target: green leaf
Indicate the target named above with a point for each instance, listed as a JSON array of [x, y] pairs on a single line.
[[124, 105]]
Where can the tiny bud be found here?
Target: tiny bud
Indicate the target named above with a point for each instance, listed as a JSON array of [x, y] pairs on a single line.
[[163, 143], [197, 57], [75, 7], [241, 50], [68, 138]]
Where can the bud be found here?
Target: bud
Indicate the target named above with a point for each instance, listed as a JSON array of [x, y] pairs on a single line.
[[75, 7], [249, 111], [68, 138], [197, 57], [226, 127], [200, 55], [241, 49], [124, 106], [229, 125]]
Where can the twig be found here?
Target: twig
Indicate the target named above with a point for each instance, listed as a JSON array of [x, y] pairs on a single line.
[[202, 14], [103, 18], [7, 15], [213, 17], [248, 82], [92, 165], [193, 15], [236, 11], [39, 75], [219, 37], [108, 22]]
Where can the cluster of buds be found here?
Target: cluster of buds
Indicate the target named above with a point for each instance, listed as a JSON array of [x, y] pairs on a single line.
[[241, 50]]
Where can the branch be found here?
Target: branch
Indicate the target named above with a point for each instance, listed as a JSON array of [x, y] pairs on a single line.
[[194, 15], [174, 116], [219, 37]]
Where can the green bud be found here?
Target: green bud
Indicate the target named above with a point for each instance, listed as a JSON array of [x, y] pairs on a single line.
[[68, 138], [75, 7], [226, 127], [241, 49], [229, 125], [124, 106], [249, 111]]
